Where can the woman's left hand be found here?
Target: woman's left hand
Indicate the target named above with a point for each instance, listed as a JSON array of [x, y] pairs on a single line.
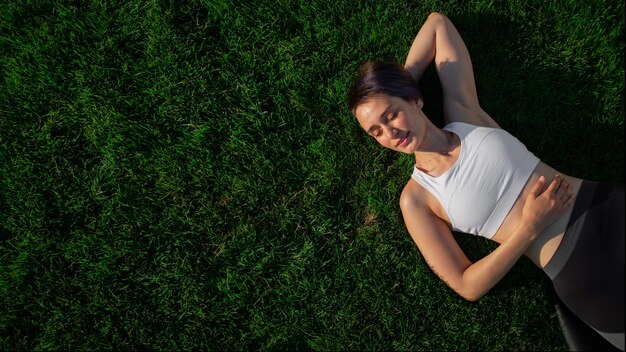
[[545, 205]]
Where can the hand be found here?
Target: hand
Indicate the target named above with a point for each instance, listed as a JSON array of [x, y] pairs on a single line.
[[545, 205]]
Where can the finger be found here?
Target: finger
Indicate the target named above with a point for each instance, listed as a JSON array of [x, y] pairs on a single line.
[[569, 201], [564, 197], [567, 192], [561, 188], [538, 186], [554, 185], [566, 187]]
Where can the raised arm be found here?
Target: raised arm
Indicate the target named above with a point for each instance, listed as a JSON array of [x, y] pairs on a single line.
[[444, 256], [439, 40]]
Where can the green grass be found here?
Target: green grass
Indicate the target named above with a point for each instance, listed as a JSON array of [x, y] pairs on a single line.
[[186, 176]]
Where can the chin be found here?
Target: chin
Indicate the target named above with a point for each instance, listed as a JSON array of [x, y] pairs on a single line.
[[403, 151]]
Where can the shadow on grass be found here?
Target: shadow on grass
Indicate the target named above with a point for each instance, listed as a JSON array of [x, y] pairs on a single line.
[[562, 114]]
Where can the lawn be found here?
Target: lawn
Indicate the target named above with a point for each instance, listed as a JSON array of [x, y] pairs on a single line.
[[185, 175]]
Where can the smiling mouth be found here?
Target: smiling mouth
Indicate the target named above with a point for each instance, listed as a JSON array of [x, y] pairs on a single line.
[[404, 140]]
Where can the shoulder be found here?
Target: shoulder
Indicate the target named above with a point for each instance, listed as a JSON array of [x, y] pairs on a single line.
[[416, 202], [413, 197]]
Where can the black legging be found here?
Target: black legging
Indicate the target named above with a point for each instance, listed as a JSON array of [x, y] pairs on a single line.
[[587, 270]]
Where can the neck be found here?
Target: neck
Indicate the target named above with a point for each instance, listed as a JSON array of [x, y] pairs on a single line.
[[437, 147]]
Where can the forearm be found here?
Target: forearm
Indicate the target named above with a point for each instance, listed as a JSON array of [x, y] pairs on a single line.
[[439, 41], [422, 51], [542, 208], [483, 275]]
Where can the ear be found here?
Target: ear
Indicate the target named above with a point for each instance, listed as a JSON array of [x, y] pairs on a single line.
[[419, 102]]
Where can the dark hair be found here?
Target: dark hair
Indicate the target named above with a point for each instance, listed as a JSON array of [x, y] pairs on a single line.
[[382, 77]]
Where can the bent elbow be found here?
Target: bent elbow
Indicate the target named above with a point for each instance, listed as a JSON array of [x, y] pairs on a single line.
[[437, 16], [470, 296]]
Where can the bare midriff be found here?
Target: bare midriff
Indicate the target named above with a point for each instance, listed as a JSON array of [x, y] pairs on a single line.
[[545, 245]]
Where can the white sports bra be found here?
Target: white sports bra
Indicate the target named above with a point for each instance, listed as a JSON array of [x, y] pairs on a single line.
[[479, 190]]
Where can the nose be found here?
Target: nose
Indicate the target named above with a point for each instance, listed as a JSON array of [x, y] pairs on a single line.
[[392, 132]]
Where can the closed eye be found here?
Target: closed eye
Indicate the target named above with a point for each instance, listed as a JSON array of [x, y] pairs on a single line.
[[375, 132]]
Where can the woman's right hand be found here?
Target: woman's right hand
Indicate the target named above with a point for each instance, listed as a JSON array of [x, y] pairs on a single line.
[[545, 205]]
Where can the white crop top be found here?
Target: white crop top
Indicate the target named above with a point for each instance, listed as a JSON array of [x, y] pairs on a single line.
[[479, 190]]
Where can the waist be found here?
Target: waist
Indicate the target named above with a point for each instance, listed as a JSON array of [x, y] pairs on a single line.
[[545, 245], [542, 250]]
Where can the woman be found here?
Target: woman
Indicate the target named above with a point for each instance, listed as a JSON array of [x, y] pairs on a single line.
[[471, 176]]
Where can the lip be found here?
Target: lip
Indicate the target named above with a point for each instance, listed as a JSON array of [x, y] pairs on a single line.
[[404, 141]]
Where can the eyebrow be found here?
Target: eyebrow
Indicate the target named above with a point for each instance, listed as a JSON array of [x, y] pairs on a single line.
[[369, 130]]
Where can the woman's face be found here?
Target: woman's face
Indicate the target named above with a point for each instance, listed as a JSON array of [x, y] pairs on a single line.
[[395, 123]]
